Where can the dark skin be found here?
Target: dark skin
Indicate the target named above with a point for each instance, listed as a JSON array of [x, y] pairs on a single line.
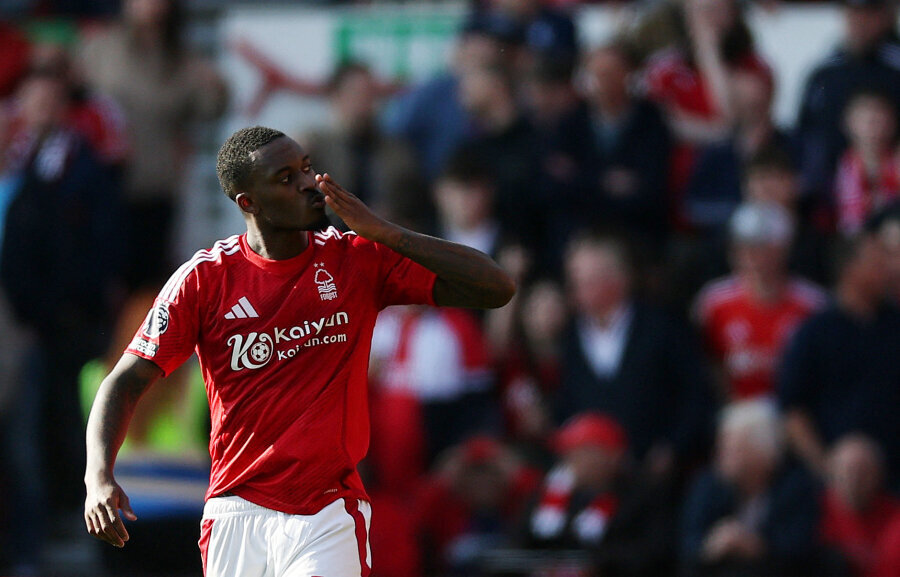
[[283, 199]]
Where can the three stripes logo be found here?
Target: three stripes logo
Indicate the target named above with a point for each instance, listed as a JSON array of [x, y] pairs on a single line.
[[242, 310]]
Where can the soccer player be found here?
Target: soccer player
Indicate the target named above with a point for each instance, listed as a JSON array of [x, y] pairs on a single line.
[[281, 319]]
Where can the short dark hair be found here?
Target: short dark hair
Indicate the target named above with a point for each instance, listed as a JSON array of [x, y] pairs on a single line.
[[233, 163], [609, 238], [469, 164], [770, 158], [870, 93]]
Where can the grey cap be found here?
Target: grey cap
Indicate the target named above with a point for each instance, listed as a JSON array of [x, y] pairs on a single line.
[[761, 223]]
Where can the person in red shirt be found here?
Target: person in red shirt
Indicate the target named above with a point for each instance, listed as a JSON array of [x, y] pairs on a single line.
[[281, 319], [747, 317], [694, 83], [856, 507]]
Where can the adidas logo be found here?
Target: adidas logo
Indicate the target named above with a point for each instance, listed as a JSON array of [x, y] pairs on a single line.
[[242, 310]]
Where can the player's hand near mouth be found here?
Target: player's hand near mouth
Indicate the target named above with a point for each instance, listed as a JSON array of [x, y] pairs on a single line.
[[465, 277]]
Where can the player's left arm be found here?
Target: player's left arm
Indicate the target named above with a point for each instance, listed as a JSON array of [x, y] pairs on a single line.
[[465, 277]]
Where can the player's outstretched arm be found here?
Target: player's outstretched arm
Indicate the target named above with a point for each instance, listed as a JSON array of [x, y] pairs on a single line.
[[466, 277], [106, 430]]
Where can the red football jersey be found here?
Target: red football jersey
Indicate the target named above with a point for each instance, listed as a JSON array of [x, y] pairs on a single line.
[[284, 350], [747, 336]]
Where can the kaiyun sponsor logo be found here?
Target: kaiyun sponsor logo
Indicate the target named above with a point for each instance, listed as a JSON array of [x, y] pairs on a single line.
[[254, 350]]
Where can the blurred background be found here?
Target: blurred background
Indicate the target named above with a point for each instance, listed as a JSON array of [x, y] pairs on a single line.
[[698, 199]]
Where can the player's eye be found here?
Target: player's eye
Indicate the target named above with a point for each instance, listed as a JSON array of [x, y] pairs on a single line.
[[286, 179], [307, 169]]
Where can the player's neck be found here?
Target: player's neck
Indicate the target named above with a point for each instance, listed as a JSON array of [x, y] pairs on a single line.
[[279, 245]]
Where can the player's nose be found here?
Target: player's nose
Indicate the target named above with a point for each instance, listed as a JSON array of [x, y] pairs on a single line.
[[306, 181]]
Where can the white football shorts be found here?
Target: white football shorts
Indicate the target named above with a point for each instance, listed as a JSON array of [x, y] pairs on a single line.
[[241, 539]]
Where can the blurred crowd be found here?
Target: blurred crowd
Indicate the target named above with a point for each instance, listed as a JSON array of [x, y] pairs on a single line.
[[697, 375]]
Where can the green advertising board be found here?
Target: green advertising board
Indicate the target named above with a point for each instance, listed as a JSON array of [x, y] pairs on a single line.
[[405, 44]]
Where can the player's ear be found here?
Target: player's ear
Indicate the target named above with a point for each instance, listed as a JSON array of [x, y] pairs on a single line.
[[245, 203]]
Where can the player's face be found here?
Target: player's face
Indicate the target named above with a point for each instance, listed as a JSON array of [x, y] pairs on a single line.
[[283, 190]]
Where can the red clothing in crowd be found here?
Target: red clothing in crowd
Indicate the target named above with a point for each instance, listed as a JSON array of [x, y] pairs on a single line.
[[284, 350], [680, 89], [14, 58], [857, 195], [888, 563], [393, 537], [443, 515], [857, 535], [98, 120], [747, 336], [101, 122]]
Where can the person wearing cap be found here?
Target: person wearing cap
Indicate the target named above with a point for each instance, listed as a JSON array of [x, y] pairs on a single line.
[[868, 58], [590, 501], [840, 374], [747, 317], [751, 513], [469, 504]]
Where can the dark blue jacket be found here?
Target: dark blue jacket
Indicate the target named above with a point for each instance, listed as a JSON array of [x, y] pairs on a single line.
[[789, 524]]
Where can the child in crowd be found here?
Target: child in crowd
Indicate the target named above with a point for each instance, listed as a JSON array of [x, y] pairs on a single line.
[[868, 174]]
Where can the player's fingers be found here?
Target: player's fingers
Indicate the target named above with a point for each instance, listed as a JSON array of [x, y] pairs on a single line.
[[108, 523], [97, 531], [335, 194], [92, 527], [329, 181]]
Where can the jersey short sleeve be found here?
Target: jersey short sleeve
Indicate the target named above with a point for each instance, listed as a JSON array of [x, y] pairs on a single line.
[[403, 282], [170, 332]]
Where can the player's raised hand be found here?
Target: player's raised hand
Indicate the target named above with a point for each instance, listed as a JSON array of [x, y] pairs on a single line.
[[101, 512], [351, 209]]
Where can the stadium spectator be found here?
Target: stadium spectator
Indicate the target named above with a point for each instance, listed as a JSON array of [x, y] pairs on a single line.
[[142, 63], [868, 58], [470, 504], [747, 317], [856, 506], [715, 186], [440, 359], [501, 132], [868, 173], [626, 359], [530, 366], [60, 259], [96, 117], [562, 121], [431, 117], [692, 81], [590, 501], [654, 28], [771, 175], [547, 31], [381, 170], [632, 147], [751, 513], [464, 197], [838, 374]]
